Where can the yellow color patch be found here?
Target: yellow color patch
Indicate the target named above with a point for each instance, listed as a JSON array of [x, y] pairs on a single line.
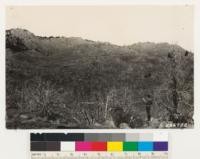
[[114, 146]]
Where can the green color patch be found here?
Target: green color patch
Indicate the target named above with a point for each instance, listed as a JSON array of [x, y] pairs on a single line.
[[130, 146]]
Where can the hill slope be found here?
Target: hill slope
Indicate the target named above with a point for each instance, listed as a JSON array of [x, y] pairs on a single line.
[[78, 80]]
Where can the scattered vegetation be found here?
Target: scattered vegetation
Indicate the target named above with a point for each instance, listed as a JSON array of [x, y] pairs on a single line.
[[75, 83]]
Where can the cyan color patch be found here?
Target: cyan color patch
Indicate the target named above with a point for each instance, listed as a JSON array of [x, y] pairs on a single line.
[[145, 146]]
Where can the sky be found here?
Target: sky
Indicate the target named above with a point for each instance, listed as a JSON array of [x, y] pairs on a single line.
[[121, 25]]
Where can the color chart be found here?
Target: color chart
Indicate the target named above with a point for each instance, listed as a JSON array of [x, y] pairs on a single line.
[[99, 145]]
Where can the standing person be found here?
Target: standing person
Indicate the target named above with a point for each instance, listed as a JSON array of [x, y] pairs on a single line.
[[148, 101]]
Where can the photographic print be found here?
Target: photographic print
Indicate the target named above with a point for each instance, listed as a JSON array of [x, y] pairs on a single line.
[[99, 67]]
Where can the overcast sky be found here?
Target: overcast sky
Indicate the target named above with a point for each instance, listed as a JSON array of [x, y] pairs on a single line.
[[121, 25]]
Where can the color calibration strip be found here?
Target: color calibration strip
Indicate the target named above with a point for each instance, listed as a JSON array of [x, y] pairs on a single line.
[[109, 142], [99, 146]]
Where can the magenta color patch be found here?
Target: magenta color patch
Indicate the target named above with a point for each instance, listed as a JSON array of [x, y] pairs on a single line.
[[83, 146]]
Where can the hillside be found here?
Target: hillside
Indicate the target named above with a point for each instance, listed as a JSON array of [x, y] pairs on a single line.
[[60, 82]]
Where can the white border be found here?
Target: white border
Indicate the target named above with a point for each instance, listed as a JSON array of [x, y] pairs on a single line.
[[187, 135], [96, 2]]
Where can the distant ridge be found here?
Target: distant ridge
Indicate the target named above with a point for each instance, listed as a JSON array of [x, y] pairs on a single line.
[[30, 37], [64, 74]]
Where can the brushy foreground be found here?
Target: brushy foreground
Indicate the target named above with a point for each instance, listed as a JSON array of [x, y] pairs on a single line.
[[59, 82]]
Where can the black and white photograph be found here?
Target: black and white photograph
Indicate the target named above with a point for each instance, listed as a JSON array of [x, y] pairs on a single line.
[[99, 67]]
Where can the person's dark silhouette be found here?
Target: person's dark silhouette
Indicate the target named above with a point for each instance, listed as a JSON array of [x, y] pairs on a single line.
[[148, 101]]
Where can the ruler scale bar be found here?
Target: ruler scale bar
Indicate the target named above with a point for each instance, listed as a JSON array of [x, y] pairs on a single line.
[[97, 155]]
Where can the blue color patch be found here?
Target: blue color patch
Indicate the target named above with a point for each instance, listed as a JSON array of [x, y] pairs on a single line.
[[145, 146]]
